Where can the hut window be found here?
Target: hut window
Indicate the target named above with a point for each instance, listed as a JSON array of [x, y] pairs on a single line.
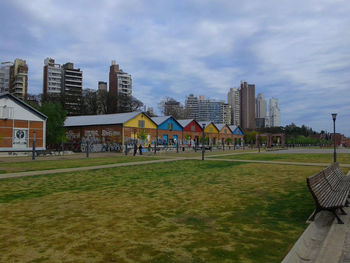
[[141, 124]]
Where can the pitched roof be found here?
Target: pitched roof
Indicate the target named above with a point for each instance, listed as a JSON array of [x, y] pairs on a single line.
[[25, 105], [184, 123], [160, 120], [220, 126], [103, 119], [233, 127]]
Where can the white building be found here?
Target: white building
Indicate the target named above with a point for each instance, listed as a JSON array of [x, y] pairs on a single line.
[[52, 77], [226, 113], [274, 112], [260, 106], [5, 76], [233, 99], [192, 107], [20, 125]]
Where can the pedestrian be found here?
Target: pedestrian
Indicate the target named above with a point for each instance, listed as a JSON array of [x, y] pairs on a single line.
[[140, 149], [135, 149], [149, 149]]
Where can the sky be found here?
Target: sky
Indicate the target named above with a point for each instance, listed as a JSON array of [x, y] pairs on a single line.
[[297, 51]]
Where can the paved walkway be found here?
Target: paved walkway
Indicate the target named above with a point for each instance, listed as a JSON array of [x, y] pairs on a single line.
[[85, 168], [323, 241], [171, 159]]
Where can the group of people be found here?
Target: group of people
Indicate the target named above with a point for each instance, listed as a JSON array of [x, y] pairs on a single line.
[[140, 149]]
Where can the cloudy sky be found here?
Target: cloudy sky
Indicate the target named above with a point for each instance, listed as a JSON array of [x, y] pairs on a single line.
[[297, 51]]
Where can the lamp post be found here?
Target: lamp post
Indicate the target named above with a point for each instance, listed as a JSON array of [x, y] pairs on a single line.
[[203, 139], [33, 154], [156, 142], [334, 117], [135, 141]]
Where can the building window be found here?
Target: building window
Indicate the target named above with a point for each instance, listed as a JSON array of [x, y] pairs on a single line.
[[193, 128], [210, 129], [141, 124], [170, 126]]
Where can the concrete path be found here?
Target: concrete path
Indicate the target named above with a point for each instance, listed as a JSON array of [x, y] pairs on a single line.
[[85, 168], [171, 159], [274, 162], [323, 241]]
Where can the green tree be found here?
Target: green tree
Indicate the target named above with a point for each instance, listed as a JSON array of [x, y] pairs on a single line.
[[55, 132]]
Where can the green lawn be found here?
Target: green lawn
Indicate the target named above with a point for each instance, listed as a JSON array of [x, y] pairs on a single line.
[[183, 211], [295, 157], [66, 162]]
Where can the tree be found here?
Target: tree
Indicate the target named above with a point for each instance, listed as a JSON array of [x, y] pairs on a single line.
[[250, 136], [169, 106], [55, 132], [89, 102]]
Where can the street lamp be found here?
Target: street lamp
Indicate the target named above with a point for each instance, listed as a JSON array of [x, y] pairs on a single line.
[[33, 153], [135, 141], [156, 142], [334, 117], [203, 138]]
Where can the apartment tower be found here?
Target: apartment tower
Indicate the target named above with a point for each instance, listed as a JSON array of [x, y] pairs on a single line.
[[72, 86], [234, 100], [52, 78], [275, 114], [192, 107], [247, 96], [19, 79]]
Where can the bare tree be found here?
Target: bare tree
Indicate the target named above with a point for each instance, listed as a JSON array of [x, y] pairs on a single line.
[[169, 106]]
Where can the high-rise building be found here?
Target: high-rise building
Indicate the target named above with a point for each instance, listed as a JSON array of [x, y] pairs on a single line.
[[5, 76], [211, 110], [72, 86], [52, 79], [260, 106], [274, 112], [233, 99], [247, 95], [102, 86], [192, 107], [120, 82], [226, 113], [19, 79]]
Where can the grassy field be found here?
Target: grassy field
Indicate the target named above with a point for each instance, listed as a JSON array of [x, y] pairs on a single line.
[[305, 157], [184, 211], [65, 162]]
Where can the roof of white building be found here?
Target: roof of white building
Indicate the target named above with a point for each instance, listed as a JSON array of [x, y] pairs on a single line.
[[103, 119]]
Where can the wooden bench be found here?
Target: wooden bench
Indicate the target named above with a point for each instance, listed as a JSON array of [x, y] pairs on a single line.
[[336, 178], [328, 196]]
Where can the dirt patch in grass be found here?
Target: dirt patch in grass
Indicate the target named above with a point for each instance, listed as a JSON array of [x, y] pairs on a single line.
[[184, 211]]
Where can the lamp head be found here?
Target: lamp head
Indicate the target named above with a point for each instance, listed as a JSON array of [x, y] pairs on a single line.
[[334, 116]]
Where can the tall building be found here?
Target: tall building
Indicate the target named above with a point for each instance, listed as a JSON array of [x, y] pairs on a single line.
[[72, 86], [19, 79], [52, 78], [102, 86], [120, 82], [192, 107], [226, 113], [274, 111], [260, 106], [247, 96], [233, 99], [5, 76], [211, 110]]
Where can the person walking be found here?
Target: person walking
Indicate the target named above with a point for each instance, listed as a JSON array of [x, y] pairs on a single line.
[[135, 149], [149, 149], [140, 149]]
